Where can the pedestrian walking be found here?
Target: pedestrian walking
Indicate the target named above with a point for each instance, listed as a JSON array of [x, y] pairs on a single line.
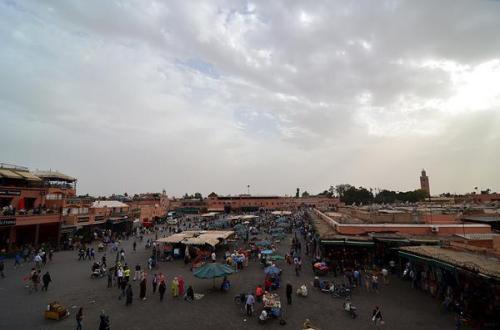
[[126, 273], [289, 291], [110, 279], [189, 294], [17, 260], [357, 278], [123, 287], [385, 275], [129, 294], [2, 267], [137, 272], [79, 319], [46, 279], [375, 282], [175, 287], [162, 288], [297, 269], [249, 304], [38, 261], [104, 323], [142, 285], [155, 283], [367, 282], [35, 278], [103, 260], [377, 317], [181, 286]]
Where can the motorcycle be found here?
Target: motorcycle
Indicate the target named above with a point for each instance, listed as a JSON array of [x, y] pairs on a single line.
[[341, 291], [350, 308], [98, 271]]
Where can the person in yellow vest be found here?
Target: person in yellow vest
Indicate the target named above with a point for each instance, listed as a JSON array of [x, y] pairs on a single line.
[[126, 273]]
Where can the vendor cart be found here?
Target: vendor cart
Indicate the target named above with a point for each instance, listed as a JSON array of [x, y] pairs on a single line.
[[56, 311], [272, 304], [320, 269]]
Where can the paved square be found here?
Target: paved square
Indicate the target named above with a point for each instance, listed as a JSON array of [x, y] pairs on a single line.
[[402, 307]]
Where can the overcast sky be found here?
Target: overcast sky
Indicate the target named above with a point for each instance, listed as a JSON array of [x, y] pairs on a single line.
[[137, 96]]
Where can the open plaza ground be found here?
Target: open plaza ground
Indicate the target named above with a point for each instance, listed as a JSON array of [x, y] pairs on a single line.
[[402, 306]]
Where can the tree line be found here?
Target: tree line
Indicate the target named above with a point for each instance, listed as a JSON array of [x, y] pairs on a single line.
[[360, 195]]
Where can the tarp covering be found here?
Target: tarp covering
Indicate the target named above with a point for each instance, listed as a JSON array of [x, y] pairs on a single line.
[[210, 237], [272, 270]]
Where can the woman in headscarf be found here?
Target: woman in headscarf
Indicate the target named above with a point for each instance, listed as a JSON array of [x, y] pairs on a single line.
[[129, 294], [181, 286], [162, 288], [175, 287], [142, 285]]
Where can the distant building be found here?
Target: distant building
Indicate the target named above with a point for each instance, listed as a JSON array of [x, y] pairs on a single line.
[[248, 203], [424, 183], [150, 207], [188, 205]]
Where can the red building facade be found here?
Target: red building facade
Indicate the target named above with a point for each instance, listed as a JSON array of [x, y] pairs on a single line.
[[31, 205]]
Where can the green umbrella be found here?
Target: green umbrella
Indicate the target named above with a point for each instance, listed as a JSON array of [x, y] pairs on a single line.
[[212, 271]]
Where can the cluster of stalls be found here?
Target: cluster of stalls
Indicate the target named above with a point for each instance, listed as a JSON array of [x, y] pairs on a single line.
[[466, 282], [372, 250], [198, 245], [231, 221]]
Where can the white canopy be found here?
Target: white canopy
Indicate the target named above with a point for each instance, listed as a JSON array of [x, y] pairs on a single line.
[[210, 237]]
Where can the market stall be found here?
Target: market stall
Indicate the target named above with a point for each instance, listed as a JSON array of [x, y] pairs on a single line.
[[272, 304]]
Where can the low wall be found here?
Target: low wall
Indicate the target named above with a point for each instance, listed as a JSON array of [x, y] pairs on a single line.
[[408, 229]]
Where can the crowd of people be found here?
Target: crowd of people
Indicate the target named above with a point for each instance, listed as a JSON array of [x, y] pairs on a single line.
[[148, 281]]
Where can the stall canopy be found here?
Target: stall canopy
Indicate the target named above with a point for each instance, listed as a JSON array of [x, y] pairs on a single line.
[[210, 215], [484, 265], [353, 241], [210, 237], [281, 213]]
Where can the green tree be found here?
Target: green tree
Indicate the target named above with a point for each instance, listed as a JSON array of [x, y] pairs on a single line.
[[386, 196], [341, 189], [305, 194], [357, 195], [198, 195], [325, 193]]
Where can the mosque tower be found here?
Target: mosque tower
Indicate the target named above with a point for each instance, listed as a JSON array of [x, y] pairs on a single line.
[[424, 183]]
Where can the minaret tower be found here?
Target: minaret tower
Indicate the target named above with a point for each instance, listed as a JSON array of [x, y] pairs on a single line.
[[424, 183]]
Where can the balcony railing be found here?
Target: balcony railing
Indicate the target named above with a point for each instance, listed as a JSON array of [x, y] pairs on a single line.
[[29, 219], [30, 212]]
